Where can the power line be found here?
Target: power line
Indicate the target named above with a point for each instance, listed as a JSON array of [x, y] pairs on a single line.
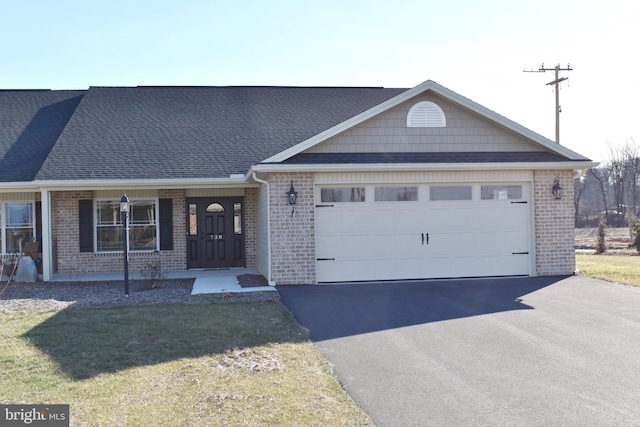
[[556, 83]]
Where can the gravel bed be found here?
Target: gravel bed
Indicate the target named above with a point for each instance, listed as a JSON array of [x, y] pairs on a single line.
[[68, 295]]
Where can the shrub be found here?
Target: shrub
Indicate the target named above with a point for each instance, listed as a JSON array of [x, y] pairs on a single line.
[[151, 273], [635, 229], [601, 246]]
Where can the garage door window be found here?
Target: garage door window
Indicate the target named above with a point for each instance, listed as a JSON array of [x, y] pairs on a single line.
[[396, 194], [450, 193], [342, 194], [501, 192]]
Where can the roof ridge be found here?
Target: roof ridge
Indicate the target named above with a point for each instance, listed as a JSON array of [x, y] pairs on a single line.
[[25, 90], [195, 87], [257, 87]]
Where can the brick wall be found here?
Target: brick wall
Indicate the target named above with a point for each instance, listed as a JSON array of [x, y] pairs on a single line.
[[250, 226], [65, 233], [554, 223], [68, 259], [292, 238], [177, 258]]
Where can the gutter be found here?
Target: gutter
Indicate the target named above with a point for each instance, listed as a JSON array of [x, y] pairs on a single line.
[[141, 183], [16, 187], [261, 181], [234, 181], [421, 167]]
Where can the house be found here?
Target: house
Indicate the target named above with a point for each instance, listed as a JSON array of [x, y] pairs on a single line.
[[387, 183]]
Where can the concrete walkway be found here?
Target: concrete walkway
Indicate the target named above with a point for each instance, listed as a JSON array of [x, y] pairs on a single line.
[[206, 281]]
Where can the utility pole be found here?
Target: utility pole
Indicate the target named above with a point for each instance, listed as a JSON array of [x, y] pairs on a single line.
[[556, 82]]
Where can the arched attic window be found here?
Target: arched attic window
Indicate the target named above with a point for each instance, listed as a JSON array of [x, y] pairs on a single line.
[[426, 114]]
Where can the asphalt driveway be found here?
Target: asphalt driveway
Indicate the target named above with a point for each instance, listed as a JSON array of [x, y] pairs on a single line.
[[491, 352]]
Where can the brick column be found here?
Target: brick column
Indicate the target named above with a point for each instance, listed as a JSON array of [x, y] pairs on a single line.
[[250, 226], [292, 238], [555, 224]]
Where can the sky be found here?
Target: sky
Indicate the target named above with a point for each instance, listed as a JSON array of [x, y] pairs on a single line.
[[477, 49]]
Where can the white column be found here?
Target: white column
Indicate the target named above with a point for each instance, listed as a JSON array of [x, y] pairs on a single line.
[[47, 253]]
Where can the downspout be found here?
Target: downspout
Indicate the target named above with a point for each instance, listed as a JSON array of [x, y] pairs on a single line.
[[262, 181]]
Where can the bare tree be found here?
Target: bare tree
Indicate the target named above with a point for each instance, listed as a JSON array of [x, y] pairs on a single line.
[[579, 184], [616, 167], [601, 175], [632, 176], [612, 189]]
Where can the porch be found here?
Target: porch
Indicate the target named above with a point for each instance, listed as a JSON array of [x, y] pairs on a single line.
[[207, 281]]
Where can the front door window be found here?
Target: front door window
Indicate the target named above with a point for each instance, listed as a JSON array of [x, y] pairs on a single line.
[[215, 208], [192, 224]]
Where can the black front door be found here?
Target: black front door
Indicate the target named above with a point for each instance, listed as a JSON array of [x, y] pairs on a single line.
[[215, 236]]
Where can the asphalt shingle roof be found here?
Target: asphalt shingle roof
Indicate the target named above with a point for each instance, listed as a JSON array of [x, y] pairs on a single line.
[[187, 132], [30, 123], [195, 132]]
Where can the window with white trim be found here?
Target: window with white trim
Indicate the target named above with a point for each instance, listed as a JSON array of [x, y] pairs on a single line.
[[143, 225], [17, 226]]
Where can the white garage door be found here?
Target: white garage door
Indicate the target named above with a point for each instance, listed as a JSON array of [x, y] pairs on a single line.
[[422, 231]]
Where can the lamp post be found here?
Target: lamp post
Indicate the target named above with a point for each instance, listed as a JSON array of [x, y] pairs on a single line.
[[124, 212]]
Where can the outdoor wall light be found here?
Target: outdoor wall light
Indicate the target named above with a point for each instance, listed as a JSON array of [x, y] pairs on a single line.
[[292, 194], [556, 189], [125, 206]]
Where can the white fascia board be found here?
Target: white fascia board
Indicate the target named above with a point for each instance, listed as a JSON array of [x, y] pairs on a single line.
[[413, 167], [144, 184], [410, 93], [14, 187], [18, 187]]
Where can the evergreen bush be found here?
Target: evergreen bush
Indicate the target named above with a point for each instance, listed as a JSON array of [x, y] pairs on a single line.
[[601, 245]]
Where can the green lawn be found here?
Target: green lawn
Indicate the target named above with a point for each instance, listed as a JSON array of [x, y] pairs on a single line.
[[621, 268], [235, 364]]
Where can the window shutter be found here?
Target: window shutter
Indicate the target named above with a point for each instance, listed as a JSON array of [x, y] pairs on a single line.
[[39, 223], [85, 225], [166, 224]]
